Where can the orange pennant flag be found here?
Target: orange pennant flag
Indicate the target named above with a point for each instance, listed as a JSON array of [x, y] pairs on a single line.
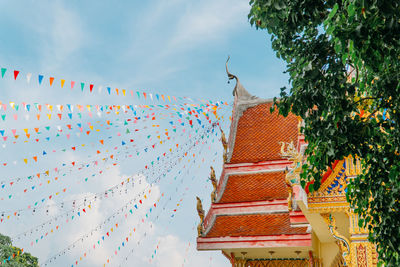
[[62, 83], [26, 161], [36, 130], [47, 172], [102, 142], [51, 80]]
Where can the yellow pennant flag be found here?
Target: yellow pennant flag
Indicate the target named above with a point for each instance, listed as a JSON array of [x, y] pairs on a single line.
[[26, 161], [62, 83]]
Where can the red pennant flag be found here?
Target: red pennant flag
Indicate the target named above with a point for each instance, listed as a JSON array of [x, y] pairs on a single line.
[[73, 148], [16, 72], [91, 87], [59, 115]]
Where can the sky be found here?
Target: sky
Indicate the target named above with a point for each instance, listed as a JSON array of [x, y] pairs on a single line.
[[175, 48]]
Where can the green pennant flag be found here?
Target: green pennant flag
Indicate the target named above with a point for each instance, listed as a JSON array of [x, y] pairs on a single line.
[[125, 123], [47, 128], [82, 85], [3, 71], [127, 131], [3, 116]]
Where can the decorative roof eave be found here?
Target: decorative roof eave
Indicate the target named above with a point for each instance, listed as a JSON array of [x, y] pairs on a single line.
[[276, 241], [243, 101], [236, 169], [243, 208]]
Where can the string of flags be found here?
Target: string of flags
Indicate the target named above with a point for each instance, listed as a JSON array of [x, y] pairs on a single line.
[[95, 229], [197, 118], [90, 87], [126, 181], [109, 191]]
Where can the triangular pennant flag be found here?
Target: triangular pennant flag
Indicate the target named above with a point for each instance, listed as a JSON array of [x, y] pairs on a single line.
[[72, 84], [91, 87], [3, 71], [62, 83], [108, 90], [51, 79], [16, 72], [40, 78], [82, 86]]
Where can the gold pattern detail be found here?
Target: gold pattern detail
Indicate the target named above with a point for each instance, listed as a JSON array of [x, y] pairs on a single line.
[[361, 256]]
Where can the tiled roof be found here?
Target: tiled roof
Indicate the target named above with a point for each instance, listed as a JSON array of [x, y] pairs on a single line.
[[254, 225], [255, 187], [259, 132]]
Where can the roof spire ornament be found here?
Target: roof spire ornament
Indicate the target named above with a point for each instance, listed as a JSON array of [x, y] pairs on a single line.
[[201, 213], [239, 91]]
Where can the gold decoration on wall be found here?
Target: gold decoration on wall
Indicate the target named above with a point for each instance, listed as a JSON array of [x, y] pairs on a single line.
[[278, 263], [214, 183], [201, 213], [343, 242]]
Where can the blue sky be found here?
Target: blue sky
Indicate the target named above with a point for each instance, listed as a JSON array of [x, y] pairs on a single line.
[[171, 47]]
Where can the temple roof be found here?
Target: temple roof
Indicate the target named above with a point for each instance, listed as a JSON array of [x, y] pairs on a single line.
[[251, 197], [254, 225], [254, 187], [259, 132]]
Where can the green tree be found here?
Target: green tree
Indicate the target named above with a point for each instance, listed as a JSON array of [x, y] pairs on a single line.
[[344, 67], [13, 256]]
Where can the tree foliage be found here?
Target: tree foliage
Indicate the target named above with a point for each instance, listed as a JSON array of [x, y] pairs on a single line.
[[343, 58], [11, 256]]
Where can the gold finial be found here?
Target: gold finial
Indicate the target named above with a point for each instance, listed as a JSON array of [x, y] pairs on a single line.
[[200, 211], [225, 145], [214, 183]]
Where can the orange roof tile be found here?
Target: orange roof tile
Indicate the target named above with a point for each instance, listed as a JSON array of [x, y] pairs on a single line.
[[254, 225], [255, 187], [259, 133]]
